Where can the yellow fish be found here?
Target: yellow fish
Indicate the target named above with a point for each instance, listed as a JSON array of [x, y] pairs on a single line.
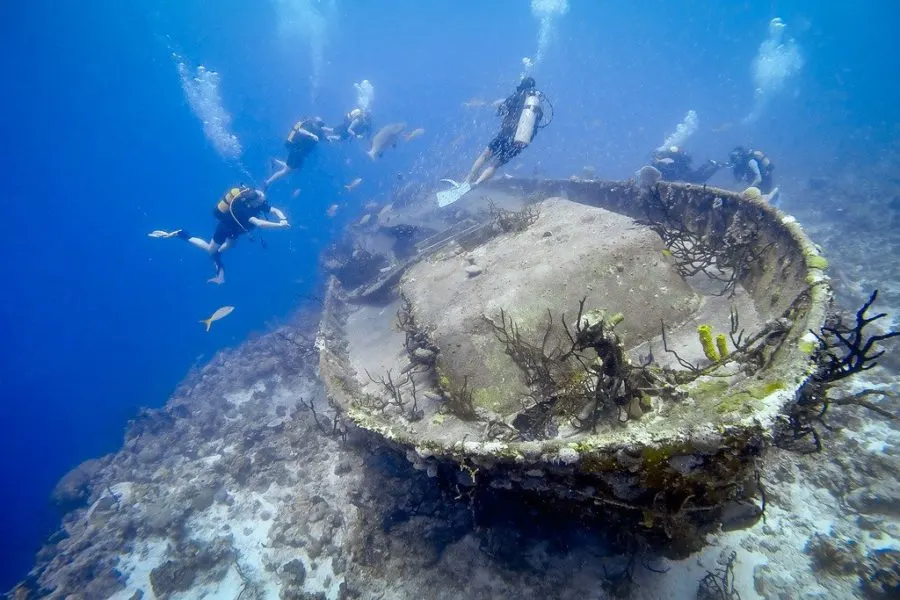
[[332, 210], [414, 134], [349, 187], [219, 314]]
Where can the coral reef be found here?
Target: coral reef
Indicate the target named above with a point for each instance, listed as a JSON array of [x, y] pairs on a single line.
[[252, 483], [842, 351]]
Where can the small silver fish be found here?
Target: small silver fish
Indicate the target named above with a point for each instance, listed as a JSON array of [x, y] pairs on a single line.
[[332, 210], [350, 186], [385, 137], [219, 314]]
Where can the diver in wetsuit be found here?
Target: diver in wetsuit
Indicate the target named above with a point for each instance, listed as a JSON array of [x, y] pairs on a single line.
[[675, 165], [754, 168], [512, 138], [301, 141], [239, 211], [356, 124]]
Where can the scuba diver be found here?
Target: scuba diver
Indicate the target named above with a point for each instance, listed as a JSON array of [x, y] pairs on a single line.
[[239, 211], [753, 167], [522, 114], [301, 140], [675, 165], [356, 124]]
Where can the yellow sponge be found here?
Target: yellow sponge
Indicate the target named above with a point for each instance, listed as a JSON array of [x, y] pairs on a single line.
[[706, 340]]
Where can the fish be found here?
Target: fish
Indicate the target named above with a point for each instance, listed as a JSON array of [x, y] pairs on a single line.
[[332, 210], [295, 193], [666, 161], [414, 134], [219, 314], [350, 186], [385, 137], [474, 103]]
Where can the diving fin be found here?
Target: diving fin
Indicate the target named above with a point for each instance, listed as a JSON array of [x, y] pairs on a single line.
[[450, 196]]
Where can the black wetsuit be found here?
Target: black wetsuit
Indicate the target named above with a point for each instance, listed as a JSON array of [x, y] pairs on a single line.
[[504, 147], [236, 220], [676, 166], [364, 128], [299, 145], [743, 172]]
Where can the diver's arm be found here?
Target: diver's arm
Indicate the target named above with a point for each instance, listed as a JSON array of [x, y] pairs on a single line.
[[757, 176], [265, 224], [351, 129], [308, 134]]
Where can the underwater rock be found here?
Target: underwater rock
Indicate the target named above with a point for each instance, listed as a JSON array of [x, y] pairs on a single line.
[[880, 577], [190, 561], [74, 489], [473, 270], [171, 577], [294, 573], [879, 499], [834, 555]]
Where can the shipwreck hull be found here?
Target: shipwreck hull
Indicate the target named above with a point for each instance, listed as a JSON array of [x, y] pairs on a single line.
[[685, 463]]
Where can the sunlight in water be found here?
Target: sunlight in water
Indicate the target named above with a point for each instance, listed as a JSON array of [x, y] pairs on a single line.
[[308, 20], [201, 89], [778, 60]]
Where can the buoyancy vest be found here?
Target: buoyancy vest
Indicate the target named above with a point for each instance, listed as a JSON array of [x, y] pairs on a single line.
[[233, 195]]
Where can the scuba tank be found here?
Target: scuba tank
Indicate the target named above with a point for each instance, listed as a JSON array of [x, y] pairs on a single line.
[[528, 119]]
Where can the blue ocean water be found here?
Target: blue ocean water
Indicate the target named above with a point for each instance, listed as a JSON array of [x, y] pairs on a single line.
[[101, 147]]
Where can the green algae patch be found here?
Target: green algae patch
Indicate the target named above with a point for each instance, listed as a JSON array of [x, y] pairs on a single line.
[[746, 401], [807, 346], [766, 390], [709, 389], [490, 398], [816, 262]]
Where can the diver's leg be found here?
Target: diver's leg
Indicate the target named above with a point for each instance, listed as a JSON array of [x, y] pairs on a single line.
[[284, 170], [197, 242], [485, 175], [215, 250], [479, 162], [501, 157]]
